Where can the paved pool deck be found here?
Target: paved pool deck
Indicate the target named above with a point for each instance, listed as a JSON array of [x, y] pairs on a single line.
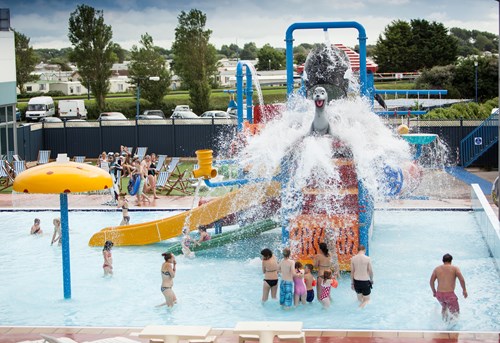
[[439, 190]]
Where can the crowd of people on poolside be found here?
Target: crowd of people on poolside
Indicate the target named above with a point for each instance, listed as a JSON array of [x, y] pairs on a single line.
[[126, 164]]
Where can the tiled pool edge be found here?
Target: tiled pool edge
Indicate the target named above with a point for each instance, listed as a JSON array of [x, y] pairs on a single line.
[[488, 223]]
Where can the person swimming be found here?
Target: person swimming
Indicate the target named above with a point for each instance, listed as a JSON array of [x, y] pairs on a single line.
[[108, 258]]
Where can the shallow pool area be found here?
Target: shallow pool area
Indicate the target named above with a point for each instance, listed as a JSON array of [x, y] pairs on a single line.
[[222, 286]]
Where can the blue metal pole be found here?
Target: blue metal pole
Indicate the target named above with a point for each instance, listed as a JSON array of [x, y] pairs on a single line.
[[475, 67], [365, 203], [137, 103], [63, 199], [239, 93], [249, 95]]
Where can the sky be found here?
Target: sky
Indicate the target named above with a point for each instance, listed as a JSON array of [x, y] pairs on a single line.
[[244, 21]]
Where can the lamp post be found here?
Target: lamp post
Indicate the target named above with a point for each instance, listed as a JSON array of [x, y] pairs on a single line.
[[269, 64], [475, 73], [138, 97]]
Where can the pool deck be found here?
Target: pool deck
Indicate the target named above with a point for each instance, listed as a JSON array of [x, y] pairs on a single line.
[[457, 196]]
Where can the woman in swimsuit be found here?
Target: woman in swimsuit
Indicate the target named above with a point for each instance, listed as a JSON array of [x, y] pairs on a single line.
[[323, 262], [108, 258], [167, 279], [270, 270], [204, 235]]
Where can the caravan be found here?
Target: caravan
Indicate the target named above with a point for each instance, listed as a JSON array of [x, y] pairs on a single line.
[[72, 109], [40, 107]]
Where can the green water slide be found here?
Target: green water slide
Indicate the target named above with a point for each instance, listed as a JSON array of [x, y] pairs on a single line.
[[247, 231]]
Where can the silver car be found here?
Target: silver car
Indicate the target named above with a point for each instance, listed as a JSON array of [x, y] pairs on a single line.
[[112, 116], [215, 114], [184, 115]]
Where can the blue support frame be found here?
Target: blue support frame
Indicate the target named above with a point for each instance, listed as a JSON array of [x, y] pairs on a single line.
[[248, 92], [63, 199]]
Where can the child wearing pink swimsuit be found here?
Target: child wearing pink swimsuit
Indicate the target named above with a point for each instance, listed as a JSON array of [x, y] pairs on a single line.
[[299, 285]]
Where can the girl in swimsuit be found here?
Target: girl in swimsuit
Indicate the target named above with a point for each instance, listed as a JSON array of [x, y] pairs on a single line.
[[325, 286], [108, 258], [323, 262], [270, 270], [36, 229], [56, 237], [125, 215], [299, 287], [167, 279], [204, 235]]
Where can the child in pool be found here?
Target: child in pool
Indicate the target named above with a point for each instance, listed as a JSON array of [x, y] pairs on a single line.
[[310, 282], [186, 243], [56, 237], [326, 286], [36, 229], [108, 258], [299, 287]]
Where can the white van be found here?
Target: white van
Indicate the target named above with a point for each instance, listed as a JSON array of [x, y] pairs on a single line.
[[72, 109], [40, 107]]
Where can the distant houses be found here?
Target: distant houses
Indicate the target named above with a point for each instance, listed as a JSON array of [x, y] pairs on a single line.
[[51, 78]]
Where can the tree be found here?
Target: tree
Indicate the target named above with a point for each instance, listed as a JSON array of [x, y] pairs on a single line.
[[270, 58], [194, 57], [231, 51], [146, 62], [249, 51], [93, 50], [120, 53], [413, 46], [26, 60]]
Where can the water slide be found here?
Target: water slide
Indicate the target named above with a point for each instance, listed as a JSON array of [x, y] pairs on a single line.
[[162, 229], [247, 231]]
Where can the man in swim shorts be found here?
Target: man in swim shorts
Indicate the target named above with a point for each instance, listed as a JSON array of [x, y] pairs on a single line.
[[287, 269], [362, 276], [446, 276]]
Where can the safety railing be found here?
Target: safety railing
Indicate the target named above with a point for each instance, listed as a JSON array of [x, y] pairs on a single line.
[[479, 140]]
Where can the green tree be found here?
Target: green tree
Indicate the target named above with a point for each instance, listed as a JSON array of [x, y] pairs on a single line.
[[249, 51], [26, 60], [487, 78], [120, 53], [413, 46], [270, 58], [93, 50], [194, 57], [231, 51], [145, 62]]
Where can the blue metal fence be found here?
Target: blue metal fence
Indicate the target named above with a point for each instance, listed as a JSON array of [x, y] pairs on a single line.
[[480, 140]]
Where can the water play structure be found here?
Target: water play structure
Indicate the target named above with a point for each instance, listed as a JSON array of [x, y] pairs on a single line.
[[333, 201]]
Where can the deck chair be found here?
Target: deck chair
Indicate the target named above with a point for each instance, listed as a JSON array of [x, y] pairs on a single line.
[[160, 163], [141, 152], [176, 180], [19, 167], [10, 156], [16, 158], [43, 156], [6, 175], [80, 159]]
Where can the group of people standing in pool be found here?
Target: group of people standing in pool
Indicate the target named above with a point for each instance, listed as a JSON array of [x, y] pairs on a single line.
[[36, 230], [297, 283]]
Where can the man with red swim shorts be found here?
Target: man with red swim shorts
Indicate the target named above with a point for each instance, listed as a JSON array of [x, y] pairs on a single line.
[[446, 276]]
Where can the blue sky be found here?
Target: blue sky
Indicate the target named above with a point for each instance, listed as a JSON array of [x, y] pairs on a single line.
[[243, 21]]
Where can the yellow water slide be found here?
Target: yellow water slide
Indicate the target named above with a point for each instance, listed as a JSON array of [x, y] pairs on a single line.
[[159, 230]]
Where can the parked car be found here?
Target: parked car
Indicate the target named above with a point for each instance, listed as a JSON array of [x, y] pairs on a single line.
[[184, 115], [50, 120], [181, 108], [112, 116], [72, 109], [215, 114], [152, 114], [40, 107]]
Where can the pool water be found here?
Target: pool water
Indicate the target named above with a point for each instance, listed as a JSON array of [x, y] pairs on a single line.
[[223, 286]]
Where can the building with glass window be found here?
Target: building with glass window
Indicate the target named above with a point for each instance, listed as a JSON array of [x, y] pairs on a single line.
[[8, 98]]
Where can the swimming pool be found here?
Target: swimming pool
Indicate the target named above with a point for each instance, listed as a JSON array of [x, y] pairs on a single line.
[[223, 286]]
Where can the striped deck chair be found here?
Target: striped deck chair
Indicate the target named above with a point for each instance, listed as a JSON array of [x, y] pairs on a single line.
[[6, 175], [16, 158], [176, 179], [80, 159], [19, 167], [43, 156], [10, 156], [141, 152], [160, 163]]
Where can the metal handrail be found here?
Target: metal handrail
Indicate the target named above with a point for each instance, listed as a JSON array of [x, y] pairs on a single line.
[[479, 140]]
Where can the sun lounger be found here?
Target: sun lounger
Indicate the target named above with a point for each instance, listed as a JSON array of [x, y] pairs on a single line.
[[6, 175], [43, 157], [52, 339], [80, 159], [19, 167]]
